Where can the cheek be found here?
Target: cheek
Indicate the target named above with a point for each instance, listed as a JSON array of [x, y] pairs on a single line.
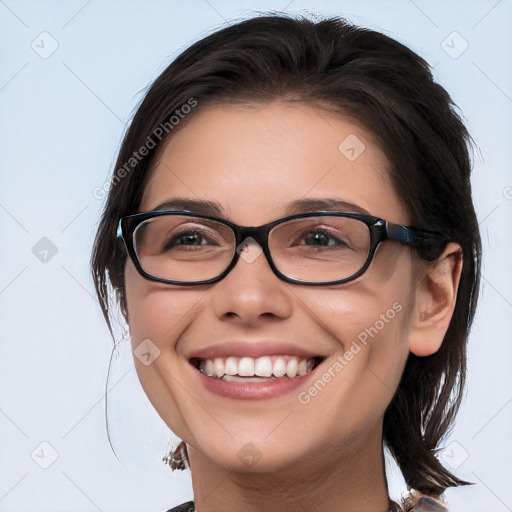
[[157, 311], [362, 376], [369, 328], [368, 323], [157, 316], [377, 305]]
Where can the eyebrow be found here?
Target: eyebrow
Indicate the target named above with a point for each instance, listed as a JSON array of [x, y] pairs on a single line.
[[306, 205], [323, 204], [193, 205]]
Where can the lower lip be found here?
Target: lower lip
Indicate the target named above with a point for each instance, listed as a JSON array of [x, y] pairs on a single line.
[[252, 390]]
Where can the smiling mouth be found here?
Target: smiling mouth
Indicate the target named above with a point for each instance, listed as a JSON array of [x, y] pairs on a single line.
[[260, 369]]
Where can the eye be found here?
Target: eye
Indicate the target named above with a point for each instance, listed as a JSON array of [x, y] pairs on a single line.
[[322, 238], [189, 240]]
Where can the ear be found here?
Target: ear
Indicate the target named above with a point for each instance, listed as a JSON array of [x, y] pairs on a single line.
[[435, 298]]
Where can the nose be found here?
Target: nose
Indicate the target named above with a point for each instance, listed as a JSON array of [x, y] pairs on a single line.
[[251, 291]]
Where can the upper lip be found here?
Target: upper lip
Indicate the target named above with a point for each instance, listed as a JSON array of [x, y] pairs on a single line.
[[253, 349]]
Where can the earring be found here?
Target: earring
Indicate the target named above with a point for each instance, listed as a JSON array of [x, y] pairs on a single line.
[[177, 459]]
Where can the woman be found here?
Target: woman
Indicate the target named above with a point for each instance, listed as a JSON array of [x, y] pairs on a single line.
[[291, 238]]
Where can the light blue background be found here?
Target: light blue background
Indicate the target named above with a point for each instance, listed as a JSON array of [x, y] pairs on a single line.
[[62, 119]]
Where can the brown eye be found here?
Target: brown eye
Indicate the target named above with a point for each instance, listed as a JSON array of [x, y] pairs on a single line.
[[187, 239], [323, 238]]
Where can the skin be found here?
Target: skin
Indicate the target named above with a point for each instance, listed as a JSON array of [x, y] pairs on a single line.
[[325, 455]]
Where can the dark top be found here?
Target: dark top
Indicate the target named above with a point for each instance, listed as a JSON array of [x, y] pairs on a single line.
[[424, 504], [184, 507]]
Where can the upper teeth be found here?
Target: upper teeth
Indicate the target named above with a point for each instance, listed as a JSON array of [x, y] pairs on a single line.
[[266, 366]]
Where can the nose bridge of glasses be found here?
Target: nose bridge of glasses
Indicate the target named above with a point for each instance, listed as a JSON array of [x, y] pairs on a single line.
[[251, 242], [252, 234]]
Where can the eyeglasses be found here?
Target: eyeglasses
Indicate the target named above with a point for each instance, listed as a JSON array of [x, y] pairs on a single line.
[[319, 248]]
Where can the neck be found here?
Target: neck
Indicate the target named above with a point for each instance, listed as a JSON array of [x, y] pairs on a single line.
[[353, 481]]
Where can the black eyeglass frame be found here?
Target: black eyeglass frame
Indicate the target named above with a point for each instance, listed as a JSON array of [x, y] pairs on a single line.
[[429, 243]]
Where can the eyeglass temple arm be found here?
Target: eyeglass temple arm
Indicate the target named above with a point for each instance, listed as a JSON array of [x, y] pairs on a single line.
[[430, 244]]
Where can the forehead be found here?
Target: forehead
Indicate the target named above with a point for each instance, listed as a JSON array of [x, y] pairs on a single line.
[[256, 160]]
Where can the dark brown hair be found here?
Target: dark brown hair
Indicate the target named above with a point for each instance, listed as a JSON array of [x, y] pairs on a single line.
[[388, 89]]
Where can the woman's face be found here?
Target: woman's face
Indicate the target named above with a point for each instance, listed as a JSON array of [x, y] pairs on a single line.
[[253, 162]]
